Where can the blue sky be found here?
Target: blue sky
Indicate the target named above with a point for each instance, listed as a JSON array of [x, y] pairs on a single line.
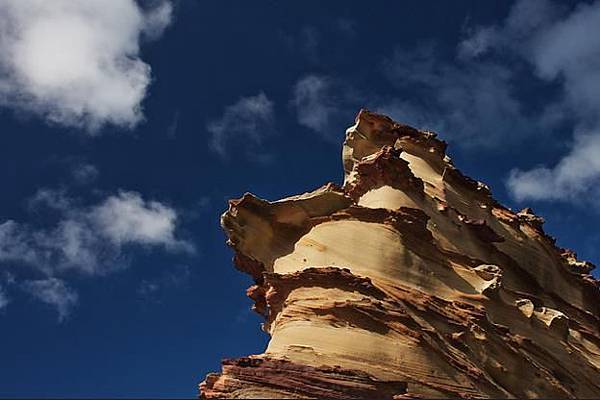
[[125, 126]]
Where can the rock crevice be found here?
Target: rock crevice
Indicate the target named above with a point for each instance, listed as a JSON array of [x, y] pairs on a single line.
[[409, 281]]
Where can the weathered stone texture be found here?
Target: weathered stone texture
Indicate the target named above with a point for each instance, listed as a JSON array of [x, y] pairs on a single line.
[[408, 281]]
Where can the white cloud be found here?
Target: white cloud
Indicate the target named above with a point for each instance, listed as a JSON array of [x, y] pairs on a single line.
[[569, 49], [247, 121], [158, 18], [53, 199], [321, 103], [77, 63], [90, 240], [16, 244], [575, 175], [478, 42], [525, 19], [53, 292], [127, 218], [314, 103], [563, 47]]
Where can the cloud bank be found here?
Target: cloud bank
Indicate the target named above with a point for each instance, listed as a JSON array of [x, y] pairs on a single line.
[[77, 63]]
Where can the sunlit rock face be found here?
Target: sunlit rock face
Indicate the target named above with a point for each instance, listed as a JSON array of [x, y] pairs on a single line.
[[408, 281]]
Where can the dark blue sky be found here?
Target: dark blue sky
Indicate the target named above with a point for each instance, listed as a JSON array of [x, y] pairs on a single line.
[[115, 279]]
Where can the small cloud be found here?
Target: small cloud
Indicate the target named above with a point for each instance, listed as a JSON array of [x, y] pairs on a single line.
[[55, 199], [314, 102], [157, 18], [77, 64], [203, 203], [172, 128], [526, 19], [537, 184], [127, 218], [309, 42], [8, 278], [17, 244], [575, 176], [147, 289], [3, 299], [478, 43], [320, 103], [53, 292], [84, 173], [247, 122]]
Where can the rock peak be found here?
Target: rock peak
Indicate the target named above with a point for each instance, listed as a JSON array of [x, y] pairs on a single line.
[[409, 281]]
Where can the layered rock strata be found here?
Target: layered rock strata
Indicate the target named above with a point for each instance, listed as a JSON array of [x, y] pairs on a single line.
[[409, 281]]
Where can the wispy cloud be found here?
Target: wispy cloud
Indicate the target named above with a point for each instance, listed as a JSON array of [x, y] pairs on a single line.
[[90, 239], [308, 42], [87, 240], [563, 48], [84, 173], [574, 177], [321, 104], [314, 102], [3, 298], [77, 63], [157, 18], [247, 122], [472, 103], [172, 128], [304, 43], [474, 96], [55, 293]]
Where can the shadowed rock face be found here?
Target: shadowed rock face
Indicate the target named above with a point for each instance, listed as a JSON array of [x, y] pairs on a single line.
[[409, 281]]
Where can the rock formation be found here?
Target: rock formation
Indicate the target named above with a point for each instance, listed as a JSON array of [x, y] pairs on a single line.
[[409, 281]]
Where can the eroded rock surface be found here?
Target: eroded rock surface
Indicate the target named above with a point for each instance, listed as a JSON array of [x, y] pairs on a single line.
[[409, 281]]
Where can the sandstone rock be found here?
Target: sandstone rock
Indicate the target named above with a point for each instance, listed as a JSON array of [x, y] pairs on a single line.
[[409, 281]]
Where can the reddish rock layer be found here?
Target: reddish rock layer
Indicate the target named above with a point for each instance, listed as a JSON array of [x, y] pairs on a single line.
[[409, 281]]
